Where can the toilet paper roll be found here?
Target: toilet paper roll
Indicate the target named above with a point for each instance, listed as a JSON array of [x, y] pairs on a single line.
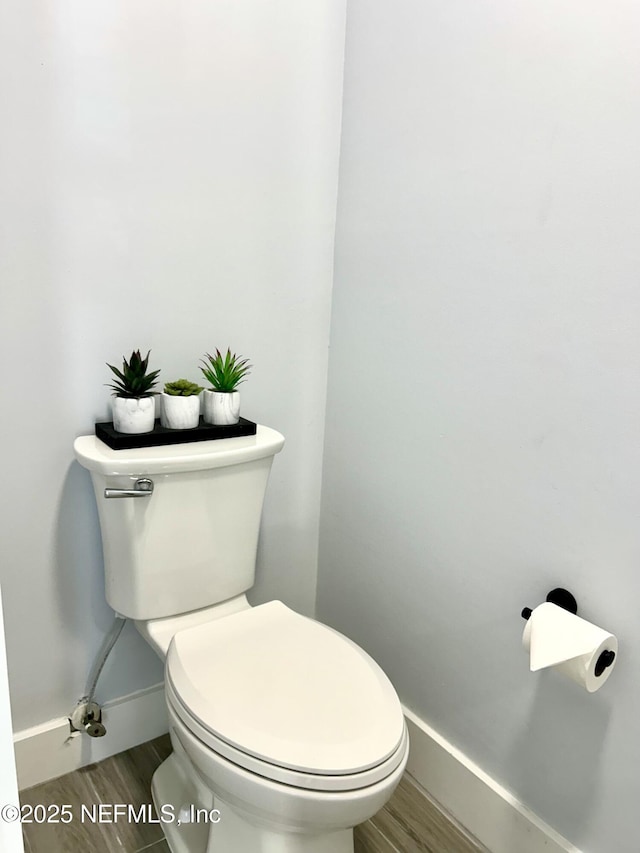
[[571, 645]]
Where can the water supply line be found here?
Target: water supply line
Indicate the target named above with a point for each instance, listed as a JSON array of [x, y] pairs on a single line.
[[87, 715], [109, 642]]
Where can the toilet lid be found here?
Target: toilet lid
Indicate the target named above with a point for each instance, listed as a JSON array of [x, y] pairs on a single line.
[[287, 690]]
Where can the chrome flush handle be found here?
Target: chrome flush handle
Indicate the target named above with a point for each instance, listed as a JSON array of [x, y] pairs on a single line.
[[142, 488]]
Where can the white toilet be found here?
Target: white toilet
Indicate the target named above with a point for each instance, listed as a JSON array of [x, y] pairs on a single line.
[[285, 734]]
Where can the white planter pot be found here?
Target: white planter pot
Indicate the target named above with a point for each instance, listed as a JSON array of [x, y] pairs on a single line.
[[133, 414], [180, 412], [221, 408]]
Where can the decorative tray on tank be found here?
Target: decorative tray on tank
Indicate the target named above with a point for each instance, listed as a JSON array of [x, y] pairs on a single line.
[[161, 435]]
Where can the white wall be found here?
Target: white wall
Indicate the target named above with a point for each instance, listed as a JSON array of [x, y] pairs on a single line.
[[483, 426], [168, 175]]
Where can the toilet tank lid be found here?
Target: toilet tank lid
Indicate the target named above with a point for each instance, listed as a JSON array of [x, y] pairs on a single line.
[[193, 456]]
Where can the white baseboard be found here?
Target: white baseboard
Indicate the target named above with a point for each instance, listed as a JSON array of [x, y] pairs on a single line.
[[482, 806], [46, 751]]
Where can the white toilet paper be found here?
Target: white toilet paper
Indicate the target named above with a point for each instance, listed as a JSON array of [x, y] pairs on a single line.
[[571, 645]]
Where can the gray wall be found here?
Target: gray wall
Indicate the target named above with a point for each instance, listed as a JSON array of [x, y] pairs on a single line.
[[483, 425], [168, 177]]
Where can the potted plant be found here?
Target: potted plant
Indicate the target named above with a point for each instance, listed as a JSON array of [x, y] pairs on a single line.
[[180, 405], [134, 407], [224, 373]]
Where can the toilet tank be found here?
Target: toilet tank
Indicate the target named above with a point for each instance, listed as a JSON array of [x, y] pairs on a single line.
[[192, 542]]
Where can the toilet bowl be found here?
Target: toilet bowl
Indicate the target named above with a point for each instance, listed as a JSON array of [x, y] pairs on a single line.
[[257, 814], [285, 733], [294, 732]]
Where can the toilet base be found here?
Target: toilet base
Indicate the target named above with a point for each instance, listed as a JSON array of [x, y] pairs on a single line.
[[170, 787], [220, 828]]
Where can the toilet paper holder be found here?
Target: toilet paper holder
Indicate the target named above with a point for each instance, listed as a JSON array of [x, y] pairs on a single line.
[[559, 596], [563, 598]]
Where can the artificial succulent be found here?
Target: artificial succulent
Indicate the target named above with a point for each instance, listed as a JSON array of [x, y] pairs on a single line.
[[225, 372], [133, 380], [182, 388]]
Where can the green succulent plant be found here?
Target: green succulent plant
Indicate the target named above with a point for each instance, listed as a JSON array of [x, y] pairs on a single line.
[[133, 380], [182, 388], [225, 372]]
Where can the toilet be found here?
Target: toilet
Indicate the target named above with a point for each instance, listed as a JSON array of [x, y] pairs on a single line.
[[285, 734]]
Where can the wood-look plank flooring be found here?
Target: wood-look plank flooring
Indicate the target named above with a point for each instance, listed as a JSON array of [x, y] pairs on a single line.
[[410, 823]]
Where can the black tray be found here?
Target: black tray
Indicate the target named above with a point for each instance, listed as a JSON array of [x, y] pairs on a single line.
[[161, 435]]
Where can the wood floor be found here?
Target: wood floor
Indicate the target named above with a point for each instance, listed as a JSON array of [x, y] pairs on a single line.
[[410, 823]]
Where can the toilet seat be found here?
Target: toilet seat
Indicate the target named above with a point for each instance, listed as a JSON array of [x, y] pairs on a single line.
[[288, 698], [276, 773]]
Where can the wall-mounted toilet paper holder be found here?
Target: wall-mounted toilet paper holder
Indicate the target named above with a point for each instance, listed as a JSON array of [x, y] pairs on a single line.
[[560, 597], [563, 598]]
